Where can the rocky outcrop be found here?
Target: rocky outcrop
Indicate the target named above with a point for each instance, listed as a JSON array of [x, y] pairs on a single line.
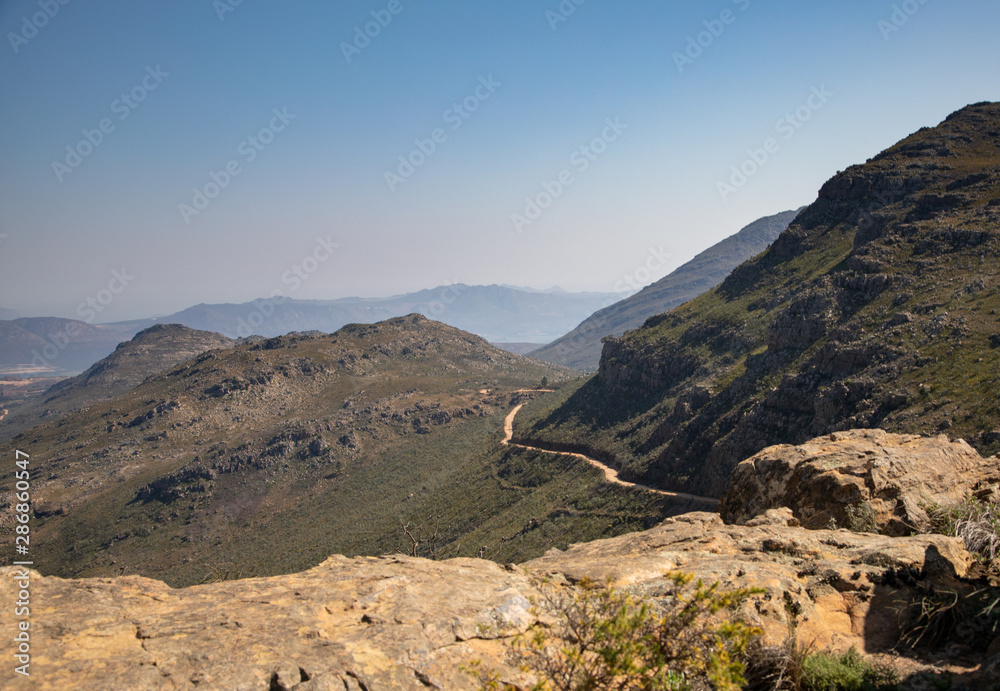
[[408, 623], [874, 309], [863, 479]]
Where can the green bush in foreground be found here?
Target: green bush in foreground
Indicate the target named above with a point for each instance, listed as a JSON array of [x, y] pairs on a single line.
[[605, 639], [790, 666], [847, 672]]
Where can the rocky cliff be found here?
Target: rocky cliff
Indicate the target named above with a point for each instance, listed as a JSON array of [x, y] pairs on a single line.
[[876, 308]]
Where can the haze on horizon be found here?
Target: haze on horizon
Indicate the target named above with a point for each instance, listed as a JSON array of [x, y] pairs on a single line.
[[203, 151]]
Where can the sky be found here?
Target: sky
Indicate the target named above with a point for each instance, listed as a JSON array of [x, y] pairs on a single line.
[[157, 155]]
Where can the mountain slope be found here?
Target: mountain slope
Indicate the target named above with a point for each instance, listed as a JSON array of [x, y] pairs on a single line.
[[268, 457], [149, 352], [876, 308], [581, 347]]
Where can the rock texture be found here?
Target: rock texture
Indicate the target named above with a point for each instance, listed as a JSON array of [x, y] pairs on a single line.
[[867, 479], [408, 623], [396, 622]]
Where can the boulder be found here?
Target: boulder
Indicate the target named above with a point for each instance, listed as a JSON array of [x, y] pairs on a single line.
[[863, 479]]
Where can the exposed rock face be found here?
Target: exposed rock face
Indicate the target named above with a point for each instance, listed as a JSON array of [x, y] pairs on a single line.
[[833, 580], [407, 623], [395, 622], [862, 479], [875, 309]]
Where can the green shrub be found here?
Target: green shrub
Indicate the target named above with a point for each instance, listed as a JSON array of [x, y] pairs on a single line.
[[846, 672], [602, 638], [792, 667]]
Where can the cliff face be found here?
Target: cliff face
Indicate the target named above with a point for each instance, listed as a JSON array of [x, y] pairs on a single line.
[[876, 308]]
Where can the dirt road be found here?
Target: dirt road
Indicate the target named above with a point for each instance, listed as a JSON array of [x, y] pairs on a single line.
[[610, 474]]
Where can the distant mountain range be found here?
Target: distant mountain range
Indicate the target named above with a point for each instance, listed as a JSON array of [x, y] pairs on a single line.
[[496, 313], [581, 347], [499, 314]]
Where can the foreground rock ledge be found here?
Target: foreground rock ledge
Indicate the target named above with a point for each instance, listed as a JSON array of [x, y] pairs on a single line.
[[407, 623]]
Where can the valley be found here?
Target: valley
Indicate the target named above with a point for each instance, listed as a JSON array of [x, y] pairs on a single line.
[[813, 422], [263, 458]]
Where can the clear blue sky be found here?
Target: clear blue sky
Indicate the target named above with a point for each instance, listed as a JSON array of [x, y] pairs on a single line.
[[214, 78]]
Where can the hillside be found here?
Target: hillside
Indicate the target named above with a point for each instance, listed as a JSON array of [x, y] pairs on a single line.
[[876, 308], [581, 347], [267, 457], [149, 352]]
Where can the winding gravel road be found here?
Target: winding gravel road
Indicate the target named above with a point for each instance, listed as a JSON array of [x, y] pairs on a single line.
[[610, 474]]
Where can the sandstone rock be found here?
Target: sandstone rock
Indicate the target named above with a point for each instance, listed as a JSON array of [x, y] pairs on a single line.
[[866, 479], [409, 623], [833, 581], [365, 623]]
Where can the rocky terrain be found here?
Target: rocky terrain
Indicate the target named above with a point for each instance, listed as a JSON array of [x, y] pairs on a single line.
[[876, 308], [862, 479], [411, 623], [148, 353], [581, 347]]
